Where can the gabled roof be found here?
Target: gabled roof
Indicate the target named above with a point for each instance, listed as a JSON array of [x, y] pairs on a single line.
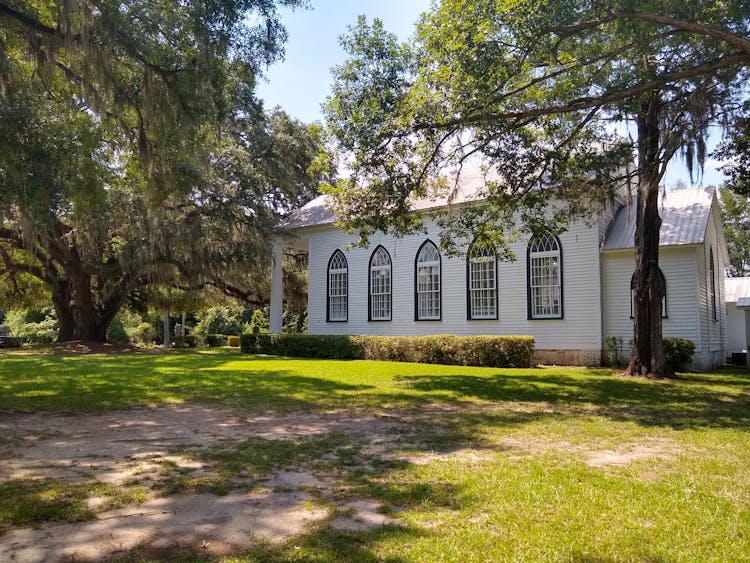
[[470, 187], [736, 289], [684, 215]]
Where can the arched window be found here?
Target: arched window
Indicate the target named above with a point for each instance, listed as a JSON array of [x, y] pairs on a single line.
[[632, 298], [481, 281], [712, 273], [380, 285], [544, 265], [338, 288], [427, 283]]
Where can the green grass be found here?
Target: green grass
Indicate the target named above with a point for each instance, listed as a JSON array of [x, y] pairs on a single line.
[[507, 458]]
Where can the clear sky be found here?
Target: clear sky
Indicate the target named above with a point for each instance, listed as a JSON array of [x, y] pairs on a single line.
[[300, 83]]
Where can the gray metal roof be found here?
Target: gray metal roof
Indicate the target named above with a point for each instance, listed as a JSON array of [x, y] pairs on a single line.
[[684, 215], [736, 289], [743, 303], [471, 186]]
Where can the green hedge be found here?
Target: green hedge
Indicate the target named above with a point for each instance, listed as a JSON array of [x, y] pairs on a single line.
[[215, 340], [491, 351]]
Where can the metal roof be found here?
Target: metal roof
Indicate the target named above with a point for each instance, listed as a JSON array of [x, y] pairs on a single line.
[[470, 187], [684, 215], [736, 289]]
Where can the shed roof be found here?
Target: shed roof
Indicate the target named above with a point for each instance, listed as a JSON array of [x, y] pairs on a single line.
[[684, 215], [736, 289]]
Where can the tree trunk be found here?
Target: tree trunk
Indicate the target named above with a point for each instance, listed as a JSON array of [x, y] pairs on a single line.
[[167, 342], [649, 283]]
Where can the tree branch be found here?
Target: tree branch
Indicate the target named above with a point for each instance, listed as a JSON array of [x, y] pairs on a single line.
[[734, 59]]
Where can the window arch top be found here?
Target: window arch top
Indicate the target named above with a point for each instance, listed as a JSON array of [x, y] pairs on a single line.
[[544, 243], [428, 254], [380, 258], [338, 262]]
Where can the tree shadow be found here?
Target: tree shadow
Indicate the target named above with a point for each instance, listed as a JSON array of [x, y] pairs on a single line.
[[690, 402]]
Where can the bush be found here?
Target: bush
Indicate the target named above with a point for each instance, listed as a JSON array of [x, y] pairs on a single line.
[[491, 351], [233, 341], [220, 320], [116, 333], [187, 341], [144, 333], [678, 352], [33, 327], [258, 321], [215, 340]]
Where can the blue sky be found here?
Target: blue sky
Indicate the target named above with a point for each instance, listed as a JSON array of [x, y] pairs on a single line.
[[300, 83]]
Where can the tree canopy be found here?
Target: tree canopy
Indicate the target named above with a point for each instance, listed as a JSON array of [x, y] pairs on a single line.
[[137, 152], [530, 94]]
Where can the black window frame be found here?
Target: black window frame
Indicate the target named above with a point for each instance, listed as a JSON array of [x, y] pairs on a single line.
[[369, 287], [469, 316], [328, 288], [529, 308], [440, 277]]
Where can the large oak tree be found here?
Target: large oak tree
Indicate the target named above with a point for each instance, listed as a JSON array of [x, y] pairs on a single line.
[[530, 93], [136, 154]]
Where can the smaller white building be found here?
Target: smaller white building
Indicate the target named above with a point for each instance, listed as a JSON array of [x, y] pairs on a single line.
[[738, 314]]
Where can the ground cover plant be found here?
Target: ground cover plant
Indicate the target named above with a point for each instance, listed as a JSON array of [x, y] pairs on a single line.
[[368, 461]]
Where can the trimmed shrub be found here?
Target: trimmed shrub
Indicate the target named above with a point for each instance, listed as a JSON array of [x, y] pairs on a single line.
[[678, 352], [215, 340], [491, 351], [187, 341], [233, 341]]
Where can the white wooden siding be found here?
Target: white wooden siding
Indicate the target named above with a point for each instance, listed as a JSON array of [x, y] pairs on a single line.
[[580, 329], [713, 332], [679, 267], [735, 329]]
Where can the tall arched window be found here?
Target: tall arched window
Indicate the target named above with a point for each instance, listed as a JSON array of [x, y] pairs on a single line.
[[712, 273], [380, 285], [427, 283], [338, 288], [544, 265], [481, 281], [632, 298]]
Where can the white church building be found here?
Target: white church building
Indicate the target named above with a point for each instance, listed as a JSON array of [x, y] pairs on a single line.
[[569, 292]]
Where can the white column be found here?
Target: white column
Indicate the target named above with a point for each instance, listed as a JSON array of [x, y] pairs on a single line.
[[276, 288]]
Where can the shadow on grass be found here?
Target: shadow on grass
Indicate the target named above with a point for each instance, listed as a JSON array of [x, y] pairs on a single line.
[[691, 402]]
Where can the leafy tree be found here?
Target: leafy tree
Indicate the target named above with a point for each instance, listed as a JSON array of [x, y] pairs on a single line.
[[135, 153], [526, 93], [735, 151], [736, 211]]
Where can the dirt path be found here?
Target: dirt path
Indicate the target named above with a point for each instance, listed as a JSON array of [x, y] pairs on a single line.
[[139, 447]]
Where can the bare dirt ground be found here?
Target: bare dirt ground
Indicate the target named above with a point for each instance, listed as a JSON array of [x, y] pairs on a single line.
[[133, 446], [146, 448]]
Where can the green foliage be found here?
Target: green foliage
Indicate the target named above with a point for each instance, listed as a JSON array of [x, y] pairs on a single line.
[[736, 215], [33, 327], [145, 155], [144, 333], [187, 341], [494, 351], [221, 319], [258, 321], [233, 341], [612, 349], [215, 340], [735, 153], [116, 333], [678, 352]]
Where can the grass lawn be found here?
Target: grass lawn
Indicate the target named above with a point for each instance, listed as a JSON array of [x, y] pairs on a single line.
[[487, 464]]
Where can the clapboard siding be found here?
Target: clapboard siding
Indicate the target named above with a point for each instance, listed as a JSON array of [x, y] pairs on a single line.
[[579, 329], [713, 331], [679, 266]]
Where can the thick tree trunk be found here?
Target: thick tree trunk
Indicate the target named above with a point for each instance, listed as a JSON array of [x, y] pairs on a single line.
[[78, 315], [650, 287]]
